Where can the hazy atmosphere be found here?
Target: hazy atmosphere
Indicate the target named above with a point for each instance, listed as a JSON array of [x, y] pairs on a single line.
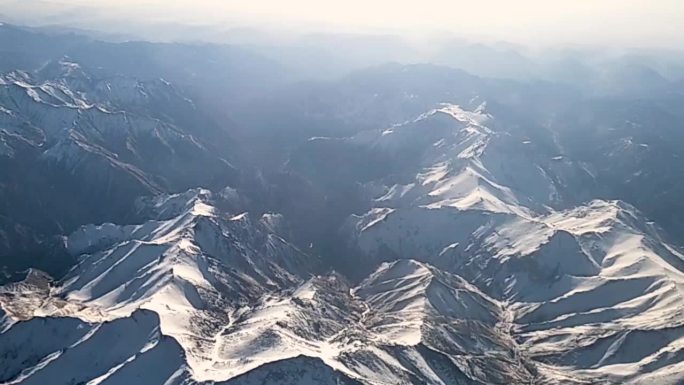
[[341, 192], [625, 23]]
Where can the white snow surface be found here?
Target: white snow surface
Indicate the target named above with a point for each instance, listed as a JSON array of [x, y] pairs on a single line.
[[593, 294], [220, 323], [483, 282]]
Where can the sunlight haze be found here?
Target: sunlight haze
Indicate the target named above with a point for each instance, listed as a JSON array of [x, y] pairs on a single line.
[[621, 22]]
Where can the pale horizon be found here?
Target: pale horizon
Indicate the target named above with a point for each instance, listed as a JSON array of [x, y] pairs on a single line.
[[623, 24]]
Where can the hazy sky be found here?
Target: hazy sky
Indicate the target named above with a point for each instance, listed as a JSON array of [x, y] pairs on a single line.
[[624, 22]]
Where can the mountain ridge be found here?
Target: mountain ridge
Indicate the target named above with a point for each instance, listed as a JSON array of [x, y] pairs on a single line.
[[484, 253]]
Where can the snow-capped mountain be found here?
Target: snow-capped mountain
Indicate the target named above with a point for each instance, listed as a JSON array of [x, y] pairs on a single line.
[[372, 235], [119, 122], [189, 270], [595, 278], [225, 298], [503, 292], [115, 138]]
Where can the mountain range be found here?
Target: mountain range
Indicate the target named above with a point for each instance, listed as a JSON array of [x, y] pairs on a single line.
[[207, 222]]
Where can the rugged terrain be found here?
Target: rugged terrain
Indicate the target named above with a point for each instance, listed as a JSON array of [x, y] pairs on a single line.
[[415, 225]]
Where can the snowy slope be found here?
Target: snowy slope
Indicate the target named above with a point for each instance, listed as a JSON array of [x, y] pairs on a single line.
[[192, 266], [481, 278], [378, 335], [582, 286], [118, 351], [408, 322], [70, 140], [73, 116], [468, 160], [239, 304]]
